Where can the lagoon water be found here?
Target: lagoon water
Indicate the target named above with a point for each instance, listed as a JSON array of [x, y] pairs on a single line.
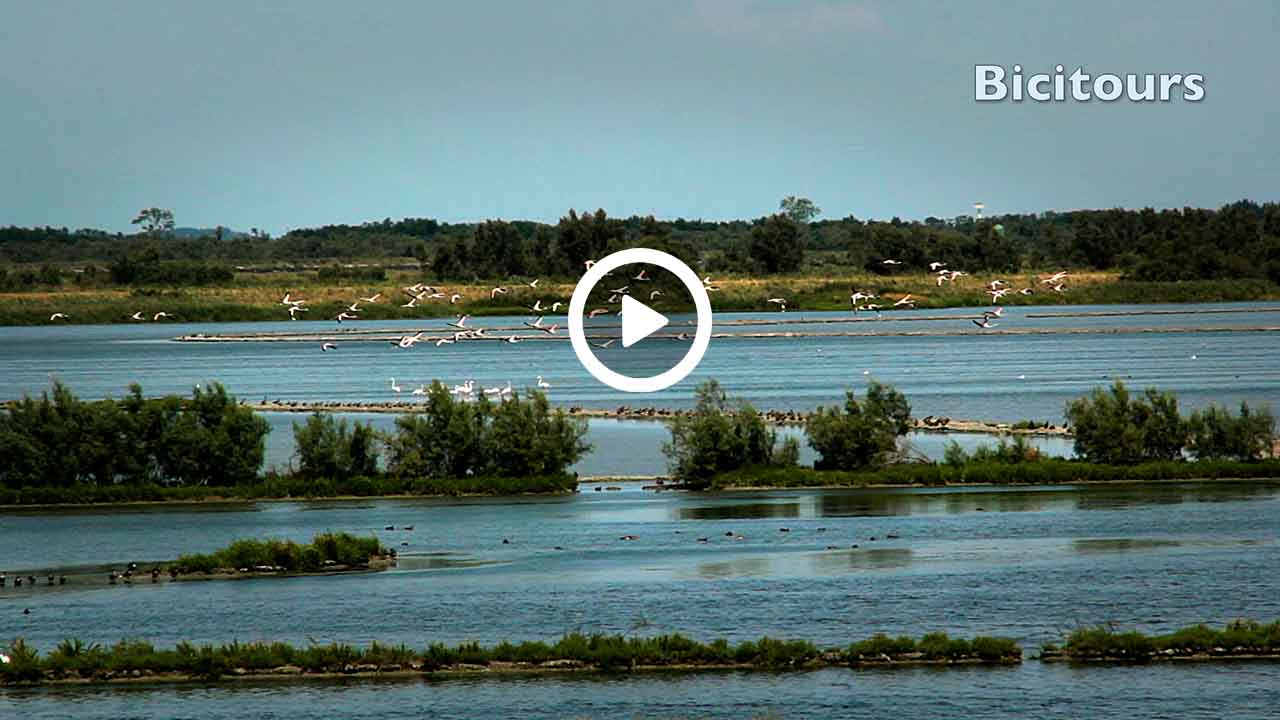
[[995, 377], [1024, 563], [971, 375]]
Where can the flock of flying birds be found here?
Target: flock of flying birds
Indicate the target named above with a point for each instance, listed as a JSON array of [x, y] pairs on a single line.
[[996, 289], [461, 331]]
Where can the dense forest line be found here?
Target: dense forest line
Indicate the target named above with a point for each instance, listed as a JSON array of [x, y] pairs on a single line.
[[1239, 240]]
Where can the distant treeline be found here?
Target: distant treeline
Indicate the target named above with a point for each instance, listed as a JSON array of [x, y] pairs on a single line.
[[1240, 240]]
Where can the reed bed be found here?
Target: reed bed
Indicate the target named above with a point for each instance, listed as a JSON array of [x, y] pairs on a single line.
[[76, 661]]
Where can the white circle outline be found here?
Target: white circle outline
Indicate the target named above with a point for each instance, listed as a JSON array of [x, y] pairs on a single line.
[[626, 383]]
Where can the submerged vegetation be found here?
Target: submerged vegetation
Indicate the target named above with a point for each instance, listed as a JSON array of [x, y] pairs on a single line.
[[325, 550], [74, 660]]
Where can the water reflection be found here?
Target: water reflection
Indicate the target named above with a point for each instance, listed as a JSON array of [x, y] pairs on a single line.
[[956, 501], [862, 559], [740, 567], [1109, 545], [439, 561], [740, 511], [1120, 497]]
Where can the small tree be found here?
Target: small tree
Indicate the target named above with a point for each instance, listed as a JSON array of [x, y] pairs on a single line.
[[155, 221], [1216, 434], [720, 436], [861, 434], [802, 211], [1111, 426], [328, 449]]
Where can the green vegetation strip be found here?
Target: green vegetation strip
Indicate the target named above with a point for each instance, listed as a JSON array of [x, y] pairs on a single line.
[[1032, 472], [75, 661], [1242, 639], [327, 550], [277, 487]]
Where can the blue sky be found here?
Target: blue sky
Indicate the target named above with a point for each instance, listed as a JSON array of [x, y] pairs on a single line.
[[306, 113]]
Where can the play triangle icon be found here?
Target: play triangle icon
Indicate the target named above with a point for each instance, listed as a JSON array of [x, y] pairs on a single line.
[[638, 321]]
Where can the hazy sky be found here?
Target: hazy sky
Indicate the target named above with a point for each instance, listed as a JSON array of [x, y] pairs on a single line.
[[312, 112]]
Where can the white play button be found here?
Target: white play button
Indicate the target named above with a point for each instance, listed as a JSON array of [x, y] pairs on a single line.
[[638, 321]]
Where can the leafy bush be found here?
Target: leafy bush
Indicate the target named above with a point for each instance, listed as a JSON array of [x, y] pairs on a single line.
[[520, 437], [326, 448], [1114, 427], [861, 434], [1216, 434], [1008, 452], [718, 437], [62, 441], [340, 548]]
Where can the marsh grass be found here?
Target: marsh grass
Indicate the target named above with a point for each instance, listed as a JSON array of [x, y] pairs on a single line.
[[610, 653], [1049, 471], [934, 647], [256, 297], [274, 486], [326, 548], [1241, 637]]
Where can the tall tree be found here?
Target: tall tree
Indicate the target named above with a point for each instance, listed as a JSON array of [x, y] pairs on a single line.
[[777, 244]]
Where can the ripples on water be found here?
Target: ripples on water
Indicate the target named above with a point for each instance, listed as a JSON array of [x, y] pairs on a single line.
[[1243, 691], [1028, 564], [970, 376]]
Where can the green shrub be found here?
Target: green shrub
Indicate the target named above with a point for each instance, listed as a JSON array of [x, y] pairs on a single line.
[[1217, 434], [450, 438], [327, 448], [862, 433], [1116, 428], [718, 436]]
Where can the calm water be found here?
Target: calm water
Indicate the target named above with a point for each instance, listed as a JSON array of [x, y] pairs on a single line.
[[1190, 693], [1022, 563], [634, 447], [969, 376]]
